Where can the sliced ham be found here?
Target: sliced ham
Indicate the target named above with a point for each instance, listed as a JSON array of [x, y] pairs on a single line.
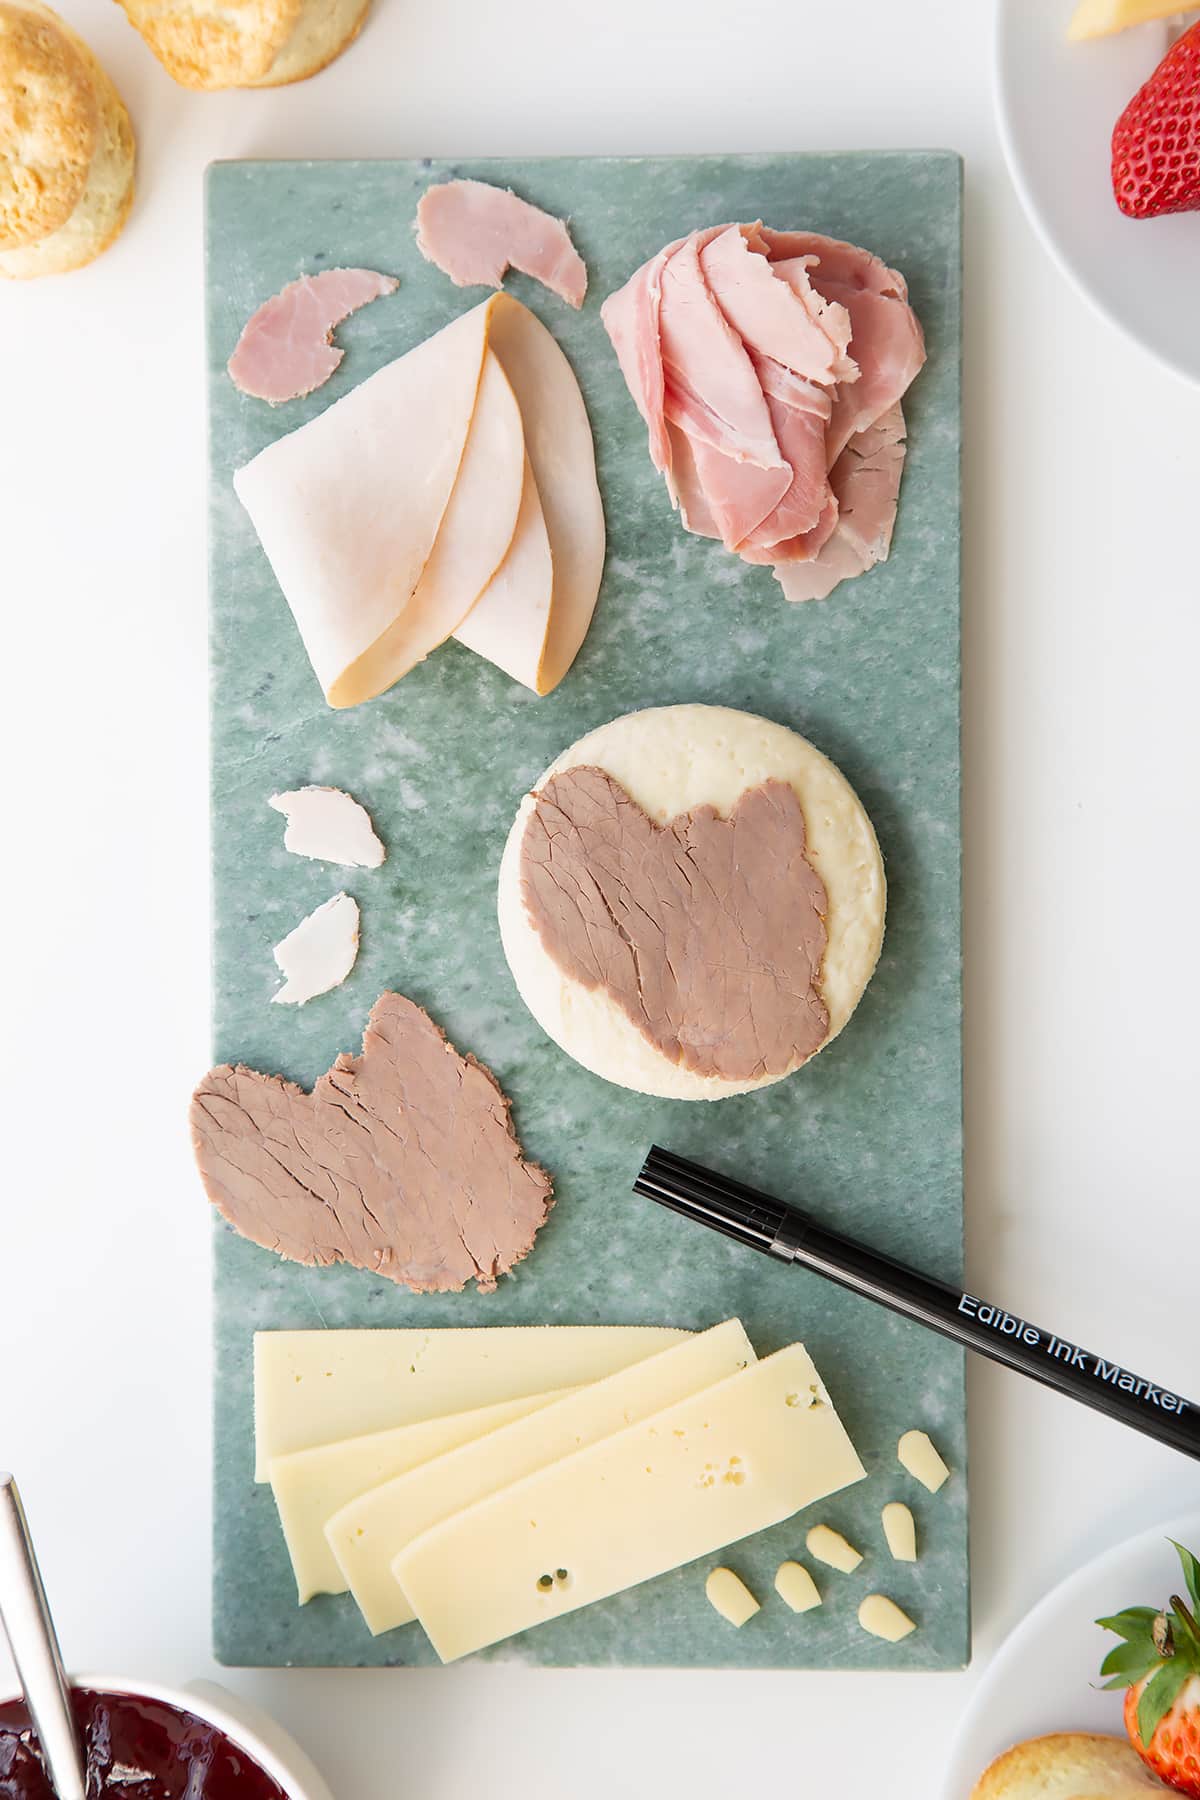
[[800, 412], [769, 368], [886, 336], [785, 320], [286, 348], [714, 396], [474, 233], [631, 318], [866, 482]]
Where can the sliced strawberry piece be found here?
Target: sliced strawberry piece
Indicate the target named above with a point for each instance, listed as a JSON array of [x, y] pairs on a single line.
[[1156, 141]]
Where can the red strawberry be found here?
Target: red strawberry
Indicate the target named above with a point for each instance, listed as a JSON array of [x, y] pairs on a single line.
[[1156, 140], [1159, 1663]]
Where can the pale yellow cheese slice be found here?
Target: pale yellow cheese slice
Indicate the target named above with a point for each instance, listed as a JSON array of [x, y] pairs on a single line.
[[1099, 18], [317, 1387], [558, 439], [472, 542], [348, 507], [312, 1485], [702, 1474], [510, 622], [369, 1534]]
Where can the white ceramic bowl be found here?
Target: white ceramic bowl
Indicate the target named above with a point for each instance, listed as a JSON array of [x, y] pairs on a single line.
[[1057, 103], [247, 1726], [1044, 1678]]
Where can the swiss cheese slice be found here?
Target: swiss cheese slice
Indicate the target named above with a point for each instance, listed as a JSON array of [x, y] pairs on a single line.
[[510, 622], [312, 1485], [558, 439], [316, 1387], [348, 507], [371, 1532], [702, 1474]]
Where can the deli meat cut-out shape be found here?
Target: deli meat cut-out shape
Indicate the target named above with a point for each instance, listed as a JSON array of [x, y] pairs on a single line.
[[402, 1160]]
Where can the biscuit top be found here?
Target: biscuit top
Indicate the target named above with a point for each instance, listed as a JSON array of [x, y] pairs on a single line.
[[206, 45], [49, 117]]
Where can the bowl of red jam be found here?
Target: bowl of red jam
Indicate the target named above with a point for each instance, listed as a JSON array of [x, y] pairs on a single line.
[[142, 1742]]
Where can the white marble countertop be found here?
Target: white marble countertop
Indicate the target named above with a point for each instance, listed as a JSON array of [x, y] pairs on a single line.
[[1082, 643]]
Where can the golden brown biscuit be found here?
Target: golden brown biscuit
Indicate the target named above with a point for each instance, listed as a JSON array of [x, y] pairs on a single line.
[[1069, 1765], [246, 43], [66, 147]]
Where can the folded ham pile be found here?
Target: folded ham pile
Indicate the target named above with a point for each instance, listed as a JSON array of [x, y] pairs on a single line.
[[453, 493], [769, 367]]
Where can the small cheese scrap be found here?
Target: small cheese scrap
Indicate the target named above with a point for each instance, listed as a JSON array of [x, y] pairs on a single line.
[[796, 1587], [884, 1619], [328, 826], [900, 1530], [918, 1456], [729, 1595], [830, 1547], [319, 953]]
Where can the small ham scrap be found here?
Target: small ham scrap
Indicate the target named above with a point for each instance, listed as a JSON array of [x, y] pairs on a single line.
[[286, 348], [475, 233]]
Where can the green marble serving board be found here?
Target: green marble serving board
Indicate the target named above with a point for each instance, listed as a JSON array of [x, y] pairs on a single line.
[[869, 1134]]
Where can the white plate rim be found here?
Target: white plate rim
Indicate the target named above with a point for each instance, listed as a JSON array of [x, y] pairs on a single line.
[[957, 1782], [1015, 160]]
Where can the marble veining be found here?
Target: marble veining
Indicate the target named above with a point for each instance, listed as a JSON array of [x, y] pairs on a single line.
[[869, 1134]]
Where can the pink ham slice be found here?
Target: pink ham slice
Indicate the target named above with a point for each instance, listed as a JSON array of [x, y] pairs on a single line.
[[866, 483], [776, 313], [286, 348], [800, 412], [769, 368], [474, 233], [886, 337], [796, 341], [713, 395], [631, 318]]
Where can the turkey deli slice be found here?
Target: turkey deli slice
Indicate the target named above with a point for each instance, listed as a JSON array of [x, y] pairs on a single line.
[[391, 515]]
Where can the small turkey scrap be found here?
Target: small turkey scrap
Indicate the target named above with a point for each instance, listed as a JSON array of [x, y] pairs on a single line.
[[453, 493], [769, 367]]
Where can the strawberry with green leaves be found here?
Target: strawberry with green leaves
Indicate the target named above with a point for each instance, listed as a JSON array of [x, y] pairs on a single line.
[[1158, 1661]]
